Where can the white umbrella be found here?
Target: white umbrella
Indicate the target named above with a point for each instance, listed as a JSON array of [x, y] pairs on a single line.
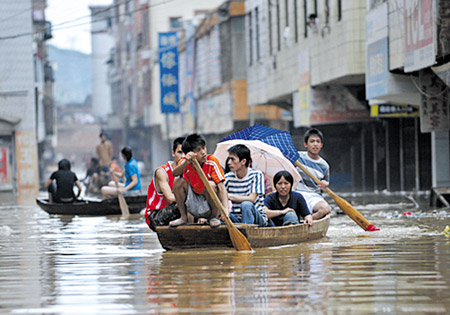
[[266, 158]]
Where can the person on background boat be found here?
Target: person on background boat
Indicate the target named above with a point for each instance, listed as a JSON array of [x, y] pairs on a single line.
[[189, 190], [313, 142], [92, 176], [115, 165], [245, 187], [132, 186], [62, 191], [161, 204], [104, 151], [284, 206]]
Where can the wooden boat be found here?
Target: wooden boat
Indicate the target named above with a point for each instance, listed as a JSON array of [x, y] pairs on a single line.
[[203, 236], [93, 207]]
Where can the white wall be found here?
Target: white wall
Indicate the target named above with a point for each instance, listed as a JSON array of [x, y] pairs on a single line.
[[101, 41], [16, 64]]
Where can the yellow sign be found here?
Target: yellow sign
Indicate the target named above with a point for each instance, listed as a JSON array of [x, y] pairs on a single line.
[[394, 110]]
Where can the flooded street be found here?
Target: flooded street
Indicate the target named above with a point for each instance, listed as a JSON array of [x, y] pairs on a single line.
[[109, 265]]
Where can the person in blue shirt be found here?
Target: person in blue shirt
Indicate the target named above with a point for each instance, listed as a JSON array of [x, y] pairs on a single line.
[[132, 184]]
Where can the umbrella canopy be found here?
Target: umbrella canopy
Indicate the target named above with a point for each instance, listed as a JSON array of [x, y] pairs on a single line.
[[277, 138], [266, 158]]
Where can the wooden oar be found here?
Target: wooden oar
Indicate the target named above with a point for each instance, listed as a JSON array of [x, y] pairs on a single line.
[[349, 210], [122, 202], [238, 239]]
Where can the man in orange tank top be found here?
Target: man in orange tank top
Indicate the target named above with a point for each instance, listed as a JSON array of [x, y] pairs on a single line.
[[161, 204], [189, 190]]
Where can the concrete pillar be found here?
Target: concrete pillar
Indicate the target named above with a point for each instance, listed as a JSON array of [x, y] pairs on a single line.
[[440, 157]]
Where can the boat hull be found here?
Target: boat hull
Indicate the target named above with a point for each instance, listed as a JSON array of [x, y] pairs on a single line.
[[285, 235], [202, 236], [88, 207]]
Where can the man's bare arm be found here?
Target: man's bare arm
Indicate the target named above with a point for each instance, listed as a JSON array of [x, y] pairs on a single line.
[[223, 196], [162, 185], [178, 170]]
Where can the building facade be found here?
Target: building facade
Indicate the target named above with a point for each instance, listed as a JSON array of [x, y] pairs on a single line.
[[25, 87]]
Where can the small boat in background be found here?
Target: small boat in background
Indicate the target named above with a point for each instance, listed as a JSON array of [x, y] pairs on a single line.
[[93, 207], [196, 236]]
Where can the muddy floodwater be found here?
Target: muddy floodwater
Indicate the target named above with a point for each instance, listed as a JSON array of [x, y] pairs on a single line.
[[109, 265]]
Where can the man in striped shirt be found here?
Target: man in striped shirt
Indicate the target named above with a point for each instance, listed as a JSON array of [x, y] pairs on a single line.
[[313, 142], [245, 188]]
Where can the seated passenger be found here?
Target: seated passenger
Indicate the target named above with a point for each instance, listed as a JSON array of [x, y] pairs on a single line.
[[132, 185], [245, 188], [62, 190], [92, 177], [161, 204], [317, 205], [189, 190], [284, 206]]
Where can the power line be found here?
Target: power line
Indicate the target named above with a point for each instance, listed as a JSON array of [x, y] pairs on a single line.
[[57, 26]]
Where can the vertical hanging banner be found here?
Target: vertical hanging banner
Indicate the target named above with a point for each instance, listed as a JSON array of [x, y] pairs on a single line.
[[435, 108], [302, 110], [168, 69], [419, 34]]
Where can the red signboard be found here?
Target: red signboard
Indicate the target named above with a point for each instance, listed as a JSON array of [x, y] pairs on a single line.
[[4, 166], [419, 34]]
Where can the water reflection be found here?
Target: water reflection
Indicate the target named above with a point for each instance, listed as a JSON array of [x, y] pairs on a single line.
[[58, 264]]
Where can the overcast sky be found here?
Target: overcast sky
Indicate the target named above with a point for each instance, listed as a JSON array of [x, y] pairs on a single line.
[[76, 34]]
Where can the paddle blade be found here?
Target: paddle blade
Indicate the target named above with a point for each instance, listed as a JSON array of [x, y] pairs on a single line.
[[123, 205], [240, 242], [354, 214], [238, 239]]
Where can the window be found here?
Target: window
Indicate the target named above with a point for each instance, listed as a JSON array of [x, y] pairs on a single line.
[[269, 13], [176, 23], [257, 33], [295, 21], [286, 12], [339, 9], [250, 36], [139, 41], [278, 26], [305, 18], [145, 27]]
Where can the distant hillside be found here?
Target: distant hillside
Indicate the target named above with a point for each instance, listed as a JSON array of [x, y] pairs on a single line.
[[73, 76]]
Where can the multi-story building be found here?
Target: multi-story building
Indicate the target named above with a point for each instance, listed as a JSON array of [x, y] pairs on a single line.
[[407, 75], [129, 76], [44, 86], [134, 72], [26, 107]]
